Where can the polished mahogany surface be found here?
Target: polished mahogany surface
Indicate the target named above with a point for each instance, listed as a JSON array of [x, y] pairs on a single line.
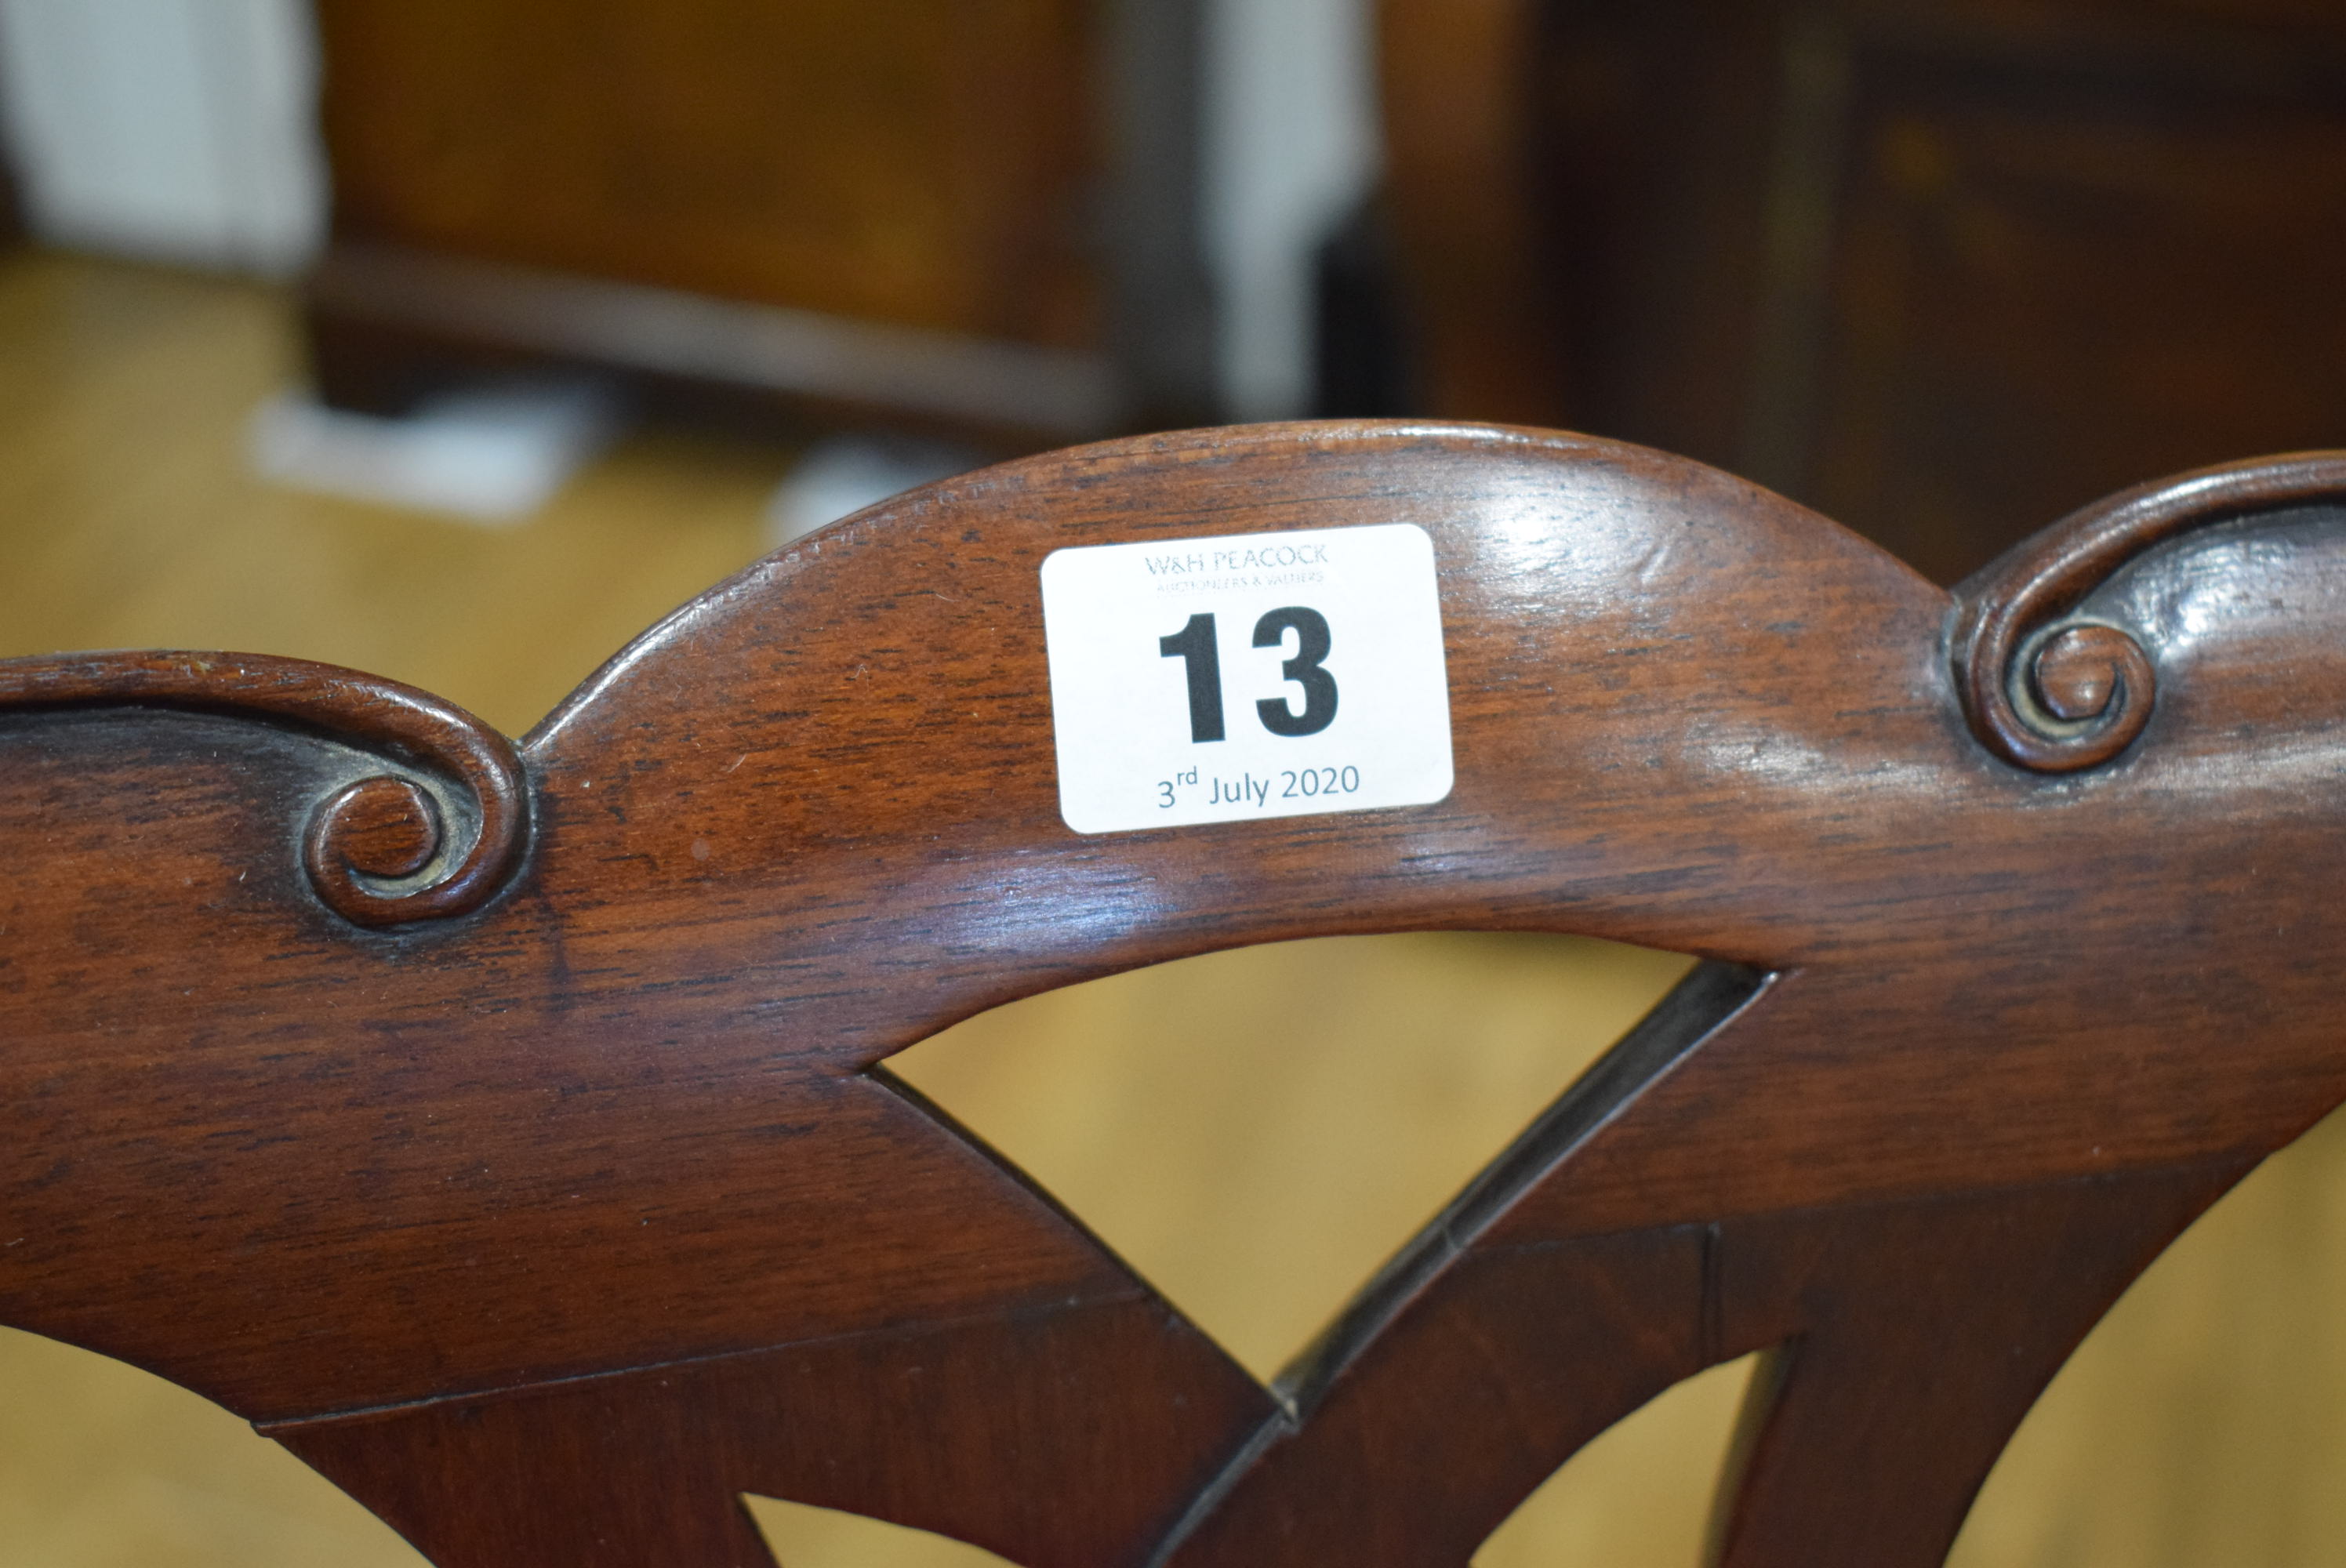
[[504, 1127]]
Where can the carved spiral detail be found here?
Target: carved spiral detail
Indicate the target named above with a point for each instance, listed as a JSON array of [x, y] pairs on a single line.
[[381, 850], [2056, 692], [2082, 691]]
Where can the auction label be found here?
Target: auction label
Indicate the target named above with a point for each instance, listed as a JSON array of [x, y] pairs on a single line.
[[1255, 675]]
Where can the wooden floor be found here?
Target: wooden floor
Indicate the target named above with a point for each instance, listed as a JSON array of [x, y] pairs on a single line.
[[1254, 1130]]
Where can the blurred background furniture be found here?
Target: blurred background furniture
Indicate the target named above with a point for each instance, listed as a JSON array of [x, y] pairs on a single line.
[[1942, 269], [918, 210], [1017, 223]]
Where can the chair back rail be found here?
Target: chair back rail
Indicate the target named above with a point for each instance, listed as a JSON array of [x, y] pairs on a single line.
[[504, 1127]]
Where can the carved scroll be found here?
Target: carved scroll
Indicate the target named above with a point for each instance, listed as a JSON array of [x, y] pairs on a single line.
[[378, 850], [2054, 691]]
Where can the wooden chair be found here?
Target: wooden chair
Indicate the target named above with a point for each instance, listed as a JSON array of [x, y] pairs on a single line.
[[505, 1129]]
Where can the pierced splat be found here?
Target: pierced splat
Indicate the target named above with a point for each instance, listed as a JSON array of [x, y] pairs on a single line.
[[1257, 1130], [550, 1215]]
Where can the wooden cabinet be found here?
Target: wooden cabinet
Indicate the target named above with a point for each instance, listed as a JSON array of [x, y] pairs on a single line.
[[919, 161], [1944, 270], [907, 205]]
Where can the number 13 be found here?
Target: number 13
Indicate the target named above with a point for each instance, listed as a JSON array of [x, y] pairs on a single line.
[[1193, 645]]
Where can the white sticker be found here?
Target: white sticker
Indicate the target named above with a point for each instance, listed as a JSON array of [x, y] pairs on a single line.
[[1254, 675]]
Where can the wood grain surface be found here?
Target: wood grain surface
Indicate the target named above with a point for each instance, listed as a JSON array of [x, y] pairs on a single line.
[[596, 1181]]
